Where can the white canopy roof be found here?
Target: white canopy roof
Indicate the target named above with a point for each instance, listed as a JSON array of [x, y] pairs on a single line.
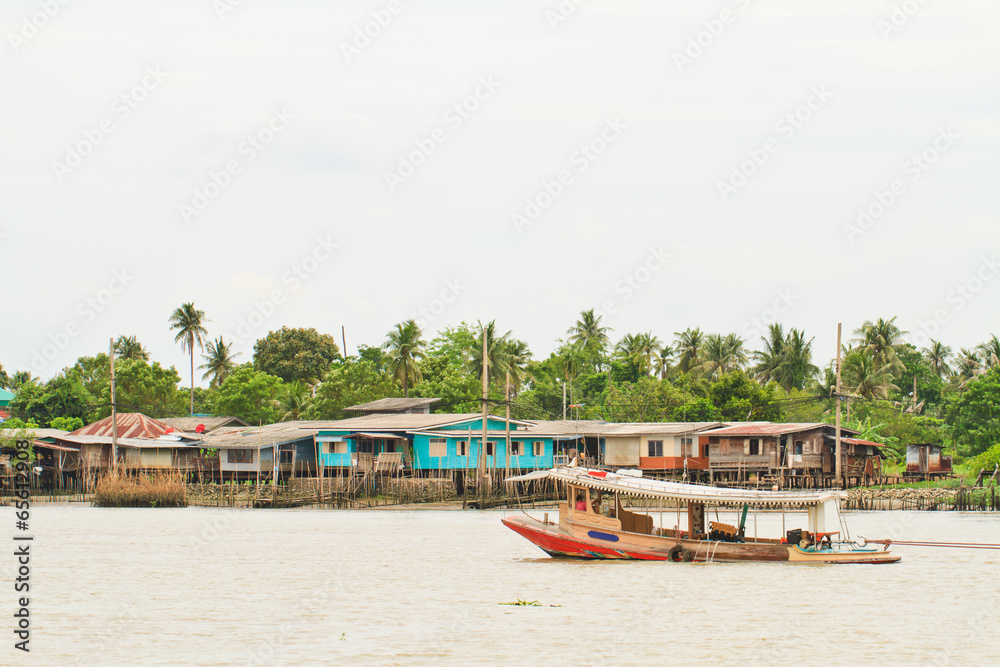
[[654, 488]]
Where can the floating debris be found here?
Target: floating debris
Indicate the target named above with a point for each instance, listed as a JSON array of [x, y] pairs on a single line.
[[529, 603]]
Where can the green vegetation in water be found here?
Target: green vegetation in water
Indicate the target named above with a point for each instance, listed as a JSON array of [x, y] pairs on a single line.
[[529, 603]]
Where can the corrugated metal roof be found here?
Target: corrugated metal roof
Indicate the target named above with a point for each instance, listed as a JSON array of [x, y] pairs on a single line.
[[768, 428], [374, 436], [190, 424], [394, 422], [131, 425], [134, 443], [853, 441], [230, 437], [37, 432], [393, 404]]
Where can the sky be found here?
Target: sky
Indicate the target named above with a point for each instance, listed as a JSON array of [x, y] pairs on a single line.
[[719, 165]]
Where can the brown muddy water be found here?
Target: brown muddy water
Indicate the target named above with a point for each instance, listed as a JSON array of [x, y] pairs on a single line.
[[310, 587]]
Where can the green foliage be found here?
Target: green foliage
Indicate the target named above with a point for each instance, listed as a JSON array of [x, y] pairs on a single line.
[[350, 382], [739, 398], [916, 365], [61, 396], [66, 423], [250, 395], [975, 415], [295, 354], [987, 460], [141, 387]]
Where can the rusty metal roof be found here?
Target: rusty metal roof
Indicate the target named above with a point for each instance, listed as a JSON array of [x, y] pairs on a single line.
[[132, 425], [393, 404], [768, 428]]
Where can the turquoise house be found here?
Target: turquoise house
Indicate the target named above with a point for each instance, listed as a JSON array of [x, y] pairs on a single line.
[[431, 442]]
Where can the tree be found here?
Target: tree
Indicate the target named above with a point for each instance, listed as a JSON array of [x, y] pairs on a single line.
[[795, 367], [588, 333], [295, 354], [769, 359], [61, 396], [4, 378], [990, 351], [975, 415], [21, 378], [293, 400], [882, 339], [689, 349], [141, 387], [350, 382], [405, 348], [937, 356], [518, 359], [722, 354], [189, 323], [496, 354], [129, 347], [739, 398], [219, 362], [250, 395], [866, 376]]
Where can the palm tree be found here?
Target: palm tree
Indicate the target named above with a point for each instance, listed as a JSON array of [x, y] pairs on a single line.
[[769, 359], [883, 339], [661, 365], [518, 357], [722, 354], [21, 378], [405, 348], [937, 356], [588, 333], [968, 364], [4, 378], [796, 363], [496, 354], [189, 322], [219, 362], [690, 344], [990, 351], [129, 347], [293, 400], [866, 376]]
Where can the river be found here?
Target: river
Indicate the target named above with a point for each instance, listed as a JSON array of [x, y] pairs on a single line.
[[201, 586]]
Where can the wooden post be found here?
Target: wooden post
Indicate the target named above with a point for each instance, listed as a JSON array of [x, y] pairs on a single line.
[[837, 447], [114, 415], [319, 473], [507, 426], [482, 444]]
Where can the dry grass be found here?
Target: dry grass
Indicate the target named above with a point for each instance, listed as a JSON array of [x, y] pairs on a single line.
[[162, 489]]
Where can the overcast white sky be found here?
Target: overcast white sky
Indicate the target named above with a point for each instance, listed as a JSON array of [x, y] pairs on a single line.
[[86, 211]]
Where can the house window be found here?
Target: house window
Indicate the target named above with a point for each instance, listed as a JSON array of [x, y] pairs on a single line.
[[655, 447], [688, 447], [462, 447], [340, 448], [438, 447], [365, 446], [286, 455], [490, 447], [239, 456], [516, 448], [704, 451], [538, 447], [798, 447], [754, 447]]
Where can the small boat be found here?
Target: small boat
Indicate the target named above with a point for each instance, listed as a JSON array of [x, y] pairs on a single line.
[[594, 523]]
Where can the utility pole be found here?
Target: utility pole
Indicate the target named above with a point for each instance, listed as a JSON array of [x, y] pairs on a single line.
[[507, 426], [114, 413], [564, 399], [837, 448], [482, 444], [343, 339]]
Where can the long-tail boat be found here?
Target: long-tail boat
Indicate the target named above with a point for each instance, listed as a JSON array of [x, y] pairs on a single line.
[[595, 524]]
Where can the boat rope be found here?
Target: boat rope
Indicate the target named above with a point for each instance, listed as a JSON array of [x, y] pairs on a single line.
[[918, 543]]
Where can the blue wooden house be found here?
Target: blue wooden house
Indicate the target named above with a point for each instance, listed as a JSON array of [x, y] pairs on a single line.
[[431, 442]]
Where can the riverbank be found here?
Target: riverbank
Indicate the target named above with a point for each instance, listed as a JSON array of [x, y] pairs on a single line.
[[925, 499]]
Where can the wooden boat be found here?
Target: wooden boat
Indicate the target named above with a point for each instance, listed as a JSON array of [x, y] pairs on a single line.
[[594, 523]]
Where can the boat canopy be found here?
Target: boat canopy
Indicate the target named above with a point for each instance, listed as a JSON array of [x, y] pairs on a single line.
[[654, 488]]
